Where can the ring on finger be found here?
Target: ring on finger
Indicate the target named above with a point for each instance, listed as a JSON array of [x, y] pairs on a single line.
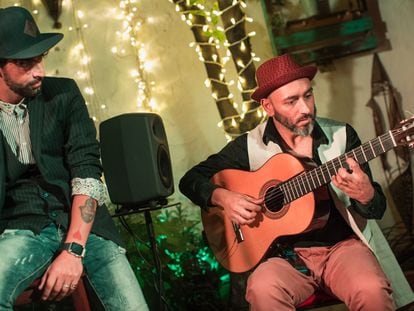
[[66, 285]]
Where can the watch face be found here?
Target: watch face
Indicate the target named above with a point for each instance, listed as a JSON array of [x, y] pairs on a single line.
[[75, 249]]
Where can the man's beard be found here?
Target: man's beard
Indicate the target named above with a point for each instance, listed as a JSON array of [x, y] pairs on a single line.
[[24, 90], [304, 131]]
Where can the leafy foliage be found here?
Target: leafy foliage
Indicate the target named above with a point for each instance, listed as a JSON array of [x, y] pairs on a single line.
[[190, 275]]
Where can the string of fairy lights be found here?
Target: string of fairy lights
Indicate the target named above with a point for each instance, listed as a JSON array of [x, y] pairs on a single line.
[[80, 52], [132, 24], [126, 44], [131, 21], [217, 38]]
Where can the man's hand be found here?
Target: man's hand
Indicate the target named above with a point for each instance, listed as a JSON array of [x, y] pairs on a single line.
[[354, 182], [239, 208], [62, 277]]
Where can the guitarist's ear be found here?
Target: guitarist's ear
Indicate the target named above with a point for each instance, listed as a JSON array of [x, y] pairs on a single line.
[[267, 106]]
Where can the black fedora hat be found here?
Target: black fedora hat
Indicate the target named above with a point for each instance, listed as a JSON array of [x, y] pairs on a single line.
[[277, 72], [20, 37]]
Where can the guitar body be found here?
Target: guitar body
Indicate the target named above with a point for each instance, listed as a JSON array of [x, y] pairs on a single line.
[[293, 218]]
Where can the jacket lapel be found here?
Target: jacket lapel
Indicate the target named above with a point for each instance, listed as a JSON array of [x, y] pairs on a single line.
[[36, 113], [2, 171]]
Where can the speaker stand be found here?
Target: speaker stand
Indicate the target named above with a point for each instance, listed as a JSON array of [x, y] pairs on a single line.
[[131, 209], [156, 257]]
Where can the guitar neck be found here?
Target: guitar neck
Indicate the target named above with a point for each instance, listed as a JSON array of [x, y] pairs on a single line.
[[306, 182]]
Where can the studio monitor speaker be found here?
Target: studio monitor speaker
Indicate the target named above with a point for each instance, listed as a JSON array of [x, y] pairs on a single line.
[[136, 159]]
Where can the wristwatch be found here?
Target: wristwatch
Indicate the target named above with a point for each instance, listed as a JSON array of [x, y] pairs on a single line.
[[75, 249]]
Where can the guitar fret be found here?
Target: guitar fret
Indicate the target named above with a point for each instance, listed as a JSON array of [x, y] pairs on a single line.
[[333, 166], [378, 147], [338, 165], [372, 149], [298, 185], [327, 172], [307, 180], [313, 181], [291, 191], [302, 184], [288, 193], [368, 152], [282, 189], [380, 140], [355, 156], [343, 158], [389, 142], [393, 140], [317, 176], [295, 189], [284, 194], [363, 153], [323, 175], [305, 185], [328, 169], [324, 171], [342, 161], [295, 193]]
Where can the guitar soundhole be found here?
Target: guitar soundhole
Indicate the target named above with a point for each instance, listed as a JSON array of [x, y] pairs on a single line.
[[274, 199]]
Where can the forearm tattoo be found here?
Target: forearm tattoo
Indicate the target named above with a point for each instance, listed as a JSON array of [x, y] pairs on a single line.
[[88, 210]]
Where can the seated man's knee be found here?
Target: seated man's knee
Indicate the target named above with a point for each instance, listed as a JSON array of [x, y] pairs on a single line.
[[267, 280], [374, 291]]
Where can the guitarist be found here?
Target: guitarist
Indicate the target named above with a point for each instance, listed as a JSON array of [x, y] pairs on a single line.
[[336, 258]]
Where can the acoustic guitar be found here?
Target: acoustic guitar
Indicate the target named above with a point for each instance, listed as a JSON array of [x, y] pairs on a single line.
[[288, 191]]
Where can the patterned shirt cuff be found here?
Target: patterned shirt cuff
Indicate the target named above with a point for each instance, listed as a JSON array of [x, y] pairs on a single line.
[[91, 187]]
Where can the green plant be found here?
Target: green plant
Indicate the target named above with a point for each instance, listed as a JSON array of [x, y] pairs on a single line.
[[191, 277]]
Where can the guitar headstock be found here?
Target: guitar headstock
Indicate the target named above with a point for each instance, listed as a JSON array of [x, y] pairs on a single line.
[[404, 133]]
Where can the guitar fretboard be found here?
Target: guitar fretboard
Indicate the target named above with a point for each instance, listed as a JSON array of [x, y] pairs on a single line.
[[306, 182]]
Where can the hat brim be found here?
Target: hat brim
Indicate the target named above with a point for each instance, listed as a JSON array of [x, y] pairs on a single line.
[[265, 90], [45, 42]]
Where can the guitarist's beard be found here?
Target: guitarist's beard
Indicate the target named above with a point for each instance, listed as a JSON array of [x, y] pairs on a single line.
[[300, 131]]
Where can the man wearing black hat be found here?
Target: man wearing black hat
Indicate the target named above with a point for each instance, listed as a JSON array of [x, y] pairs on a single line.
[[294, 241], [53, 221]]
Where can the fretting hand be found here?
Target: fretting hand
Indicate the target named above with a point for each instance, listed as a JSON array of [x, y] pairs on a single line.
[[354, 182]]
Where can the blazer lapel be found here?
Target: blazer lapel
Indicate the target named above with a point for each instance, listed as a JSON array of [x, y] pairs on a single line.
[[2, 171], [36, 109]]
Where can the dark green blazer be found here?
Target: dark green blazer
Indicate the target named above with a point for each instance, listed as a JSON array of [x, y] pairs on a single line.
[[64, 144]]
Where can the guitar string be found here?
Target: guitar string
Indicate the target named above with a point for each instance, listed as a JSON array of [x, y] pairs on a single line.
[[293, 183]]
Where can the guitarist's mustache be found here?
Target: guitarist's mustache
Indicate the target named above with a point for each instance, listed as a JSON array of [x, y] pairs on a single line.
[[306, 117]]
